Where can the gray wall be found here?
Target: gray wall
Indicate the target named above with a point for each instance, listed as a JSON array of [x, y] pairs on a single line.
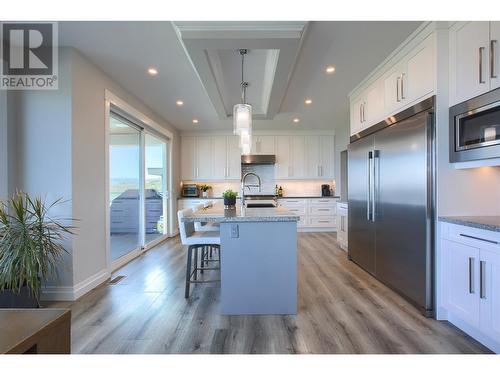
[[43, 148], [4, 188]]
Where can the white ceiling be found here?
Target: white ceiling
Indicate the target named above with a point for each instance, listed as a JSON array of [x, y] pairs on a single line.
[[124, 51]]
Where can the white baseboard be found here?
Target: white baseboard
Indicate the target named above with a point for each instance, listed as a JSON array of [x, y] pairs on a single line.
[[90, 283], [68, 293]]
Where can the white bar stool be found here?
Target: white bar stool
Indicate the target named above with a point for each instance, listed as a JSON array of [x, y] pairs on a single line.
[[196, 240], [205, 227]]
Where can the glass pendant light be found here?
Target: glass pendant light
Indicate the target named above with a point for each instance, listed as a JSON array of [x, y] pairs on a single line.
[[242, 114]]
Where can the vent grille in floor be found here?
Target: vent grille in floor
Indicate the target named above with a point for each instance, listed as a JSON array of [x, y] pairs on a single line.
[[116, 280]]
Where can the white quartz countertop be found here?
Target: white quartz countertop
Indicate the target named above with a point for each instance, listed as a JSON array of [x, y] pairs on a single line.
[[217, 213]]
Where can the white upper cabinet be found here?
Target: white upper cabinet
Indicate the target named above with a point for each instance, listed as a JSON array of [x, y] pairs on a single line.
[[188, 151], [312, 156], [357, 115], [283, 161], [421, 71], [210, 158], [495, 54], [393, 93], [233, 171], [406, 79], [373, 106], [204, 158], [219, 152], [263, 145], [297, 157], [327, 156], [469, 60]]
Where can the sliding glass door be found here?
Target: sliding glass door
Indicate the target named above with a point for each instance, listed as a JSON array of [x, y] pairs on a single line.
[[138, 194], [124, 187], [156, 188]]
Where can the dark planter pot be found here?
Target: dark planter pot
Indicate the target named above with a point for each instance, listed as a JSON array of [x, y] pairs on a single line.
[[23, 300], [229, 202]]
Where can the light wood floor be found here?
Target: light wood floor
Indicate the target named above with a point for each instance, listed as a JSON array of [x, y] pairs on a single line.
[[341, 309]]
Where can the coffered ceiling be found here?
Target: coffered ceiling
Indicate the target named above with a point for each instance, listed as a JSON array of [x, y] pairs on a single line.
[[198, 63]]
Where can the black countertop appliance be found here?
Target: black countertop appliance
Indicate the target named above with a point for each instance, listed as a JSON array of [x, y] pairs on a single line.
[[325, 190]]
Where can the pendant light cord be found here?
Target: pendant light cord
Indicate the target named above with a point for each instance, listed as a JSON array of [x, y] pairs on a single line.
[[244, 84]]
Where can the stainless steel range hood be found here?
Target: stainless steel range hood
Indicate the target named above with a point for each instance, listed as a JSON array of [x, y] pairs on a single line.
[[258, 159]]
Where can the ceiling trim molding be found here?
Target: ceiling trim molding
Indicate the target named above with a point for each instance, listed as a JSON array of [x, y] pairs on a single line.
[[205, 43]]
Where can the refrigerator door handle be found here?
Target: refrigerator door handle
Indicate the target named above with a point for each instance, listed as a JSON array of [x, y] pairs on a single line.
[[369, 188], [374, 185]]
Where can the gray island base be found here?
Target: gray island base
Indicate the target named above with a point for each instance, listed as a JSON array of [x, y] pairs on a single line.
[[258, 259]]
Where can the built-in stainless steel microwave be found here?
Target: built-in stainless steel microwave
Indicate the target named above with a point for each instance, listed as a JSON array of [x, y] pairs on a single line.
[[190, 190], [475, 128]]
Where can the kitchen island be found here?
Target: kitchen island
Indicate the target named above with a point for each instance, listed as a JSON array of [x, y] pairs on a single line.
[[258, 258]]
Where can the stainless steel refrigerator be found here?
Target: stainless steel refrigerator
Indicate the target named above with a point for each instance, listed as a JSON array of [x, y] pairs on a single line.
[[391, 203]]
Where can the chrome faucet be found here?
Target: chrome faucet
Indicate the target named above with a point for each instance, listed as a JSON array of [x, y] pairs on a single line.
[[243, 186]]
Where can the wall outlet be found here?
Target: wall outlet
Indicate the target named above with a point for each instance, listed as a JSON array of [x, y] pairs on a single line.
[[234, 231]]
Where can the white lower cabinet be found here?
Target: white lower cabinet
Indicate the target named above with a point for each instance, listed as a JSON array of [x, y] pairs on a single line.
[[316, 214], [342, 225], [470, 281]]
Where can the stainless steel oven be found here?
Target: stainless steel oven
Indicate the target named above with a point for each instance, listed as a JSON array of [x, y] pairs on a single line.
[[475, 128]]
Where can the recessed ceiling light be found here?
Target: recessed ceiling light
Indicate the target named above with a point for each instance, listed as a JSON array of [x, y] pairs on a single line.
[[179, 103], [308, 101], [296, 120], [195, 121], [330, 69], [152, 71]]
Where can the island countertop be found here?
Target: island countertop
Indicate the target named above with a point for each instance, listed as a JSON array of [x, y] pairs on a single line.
[[217, 213]]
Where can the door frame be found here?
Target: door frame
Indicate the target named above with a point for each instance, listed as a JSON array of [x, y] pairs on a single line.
[[110, 99]]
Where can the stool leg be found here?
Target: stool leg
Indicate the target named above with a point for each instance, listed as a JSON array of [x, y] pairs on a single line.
[[195, 276], [188, 271], [202, 259], [211, 254]]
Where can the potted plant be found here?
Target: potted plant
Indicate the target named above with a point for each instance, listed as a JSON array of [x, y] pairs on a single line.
[[204, 190], [30, 249], [230, 198]]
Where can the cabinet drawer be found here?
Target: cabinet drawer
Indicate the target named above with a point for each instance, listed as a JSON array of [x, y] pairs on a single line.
[[322, 221], [329, 201], [292, 202], [472, 236], [298, 209], [322, 210]]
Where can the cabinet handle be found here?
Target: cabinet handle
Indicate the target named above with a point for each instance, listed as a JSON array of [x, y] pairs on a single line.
[[480, 239], [492, 58], [397, 88], [197, 172], [402, 86], [481, 49], [482, 279], [471, 275], [361, 112]]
